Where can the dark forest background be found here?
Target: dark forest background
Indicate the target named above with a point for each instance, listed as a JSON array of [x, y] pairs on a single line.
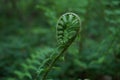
[[28, 27]]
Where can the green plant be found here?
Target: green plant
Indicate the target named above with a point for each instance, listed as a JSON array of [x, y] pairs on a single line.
[[29, 25], [35, 67], [67, 28]]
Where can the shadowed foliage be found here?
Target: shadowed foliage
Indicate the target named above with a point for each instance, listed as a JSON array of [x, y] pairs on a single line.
[[28, 40]]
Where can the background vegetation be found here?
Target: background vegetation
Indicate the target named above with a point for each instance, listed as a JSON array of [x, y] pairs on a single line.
[[27, 39]]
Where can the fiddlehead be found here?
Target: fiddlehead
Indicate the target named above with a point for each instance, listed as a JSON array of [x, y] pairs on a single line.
[[67, 29]]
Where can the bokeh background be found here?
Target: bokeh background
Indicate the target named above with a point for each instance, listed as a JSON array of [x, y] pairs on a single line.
[[27, 27]]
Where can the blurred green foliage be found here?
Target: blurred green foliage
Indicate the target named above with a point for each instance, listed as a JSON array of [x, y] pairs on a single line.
[[27, 30]]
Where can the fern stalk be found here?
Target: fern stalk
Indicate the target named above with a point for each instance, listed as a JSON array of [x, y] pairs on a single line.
[[57, 57], [68, 28]]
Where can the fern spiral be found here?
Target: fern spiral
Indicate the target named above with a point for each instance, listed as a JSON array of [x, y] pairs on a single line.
[[67, 27]]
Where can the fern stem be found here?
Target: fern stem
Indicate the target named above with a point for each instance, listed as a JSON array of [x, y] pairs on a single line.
[[62, 39], [58, 56]]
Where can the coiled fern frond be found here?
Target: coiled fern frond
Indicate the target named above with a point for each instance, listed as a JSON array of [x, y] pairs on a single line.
[[36, 67], [67, 27]]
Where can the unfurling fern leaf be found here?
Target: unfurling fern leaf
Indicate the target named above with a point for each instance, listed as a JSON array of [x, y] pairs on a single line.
[[67, 27], [36, 67]]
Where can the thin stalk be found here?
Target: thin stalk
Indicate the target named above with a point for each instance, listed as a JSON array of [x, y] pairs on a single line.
[[58, 56]]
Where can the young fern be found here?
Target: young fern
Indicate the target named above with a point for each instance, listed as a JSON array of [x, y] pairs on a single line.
[[35, 67], [67, 29]]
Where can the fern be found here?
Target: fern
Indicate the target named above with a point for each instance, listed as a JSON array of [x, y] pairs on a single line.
[[35, 65], [67, 29]]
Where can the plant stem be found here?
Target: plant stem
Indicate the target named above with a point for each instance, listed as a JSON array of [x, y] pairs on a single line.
[[58, 56]]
